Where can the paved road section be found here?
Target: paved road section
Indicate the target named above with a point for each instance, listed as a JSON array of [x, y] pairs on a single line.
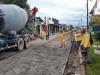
[[10, 52], [46, 59]]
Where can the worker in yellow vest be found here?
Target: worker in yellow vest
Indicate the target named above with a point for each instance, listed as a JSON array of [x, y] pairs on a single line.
[[82, 39], [86, 45], [77, 39], [42, 34], [62, 38]]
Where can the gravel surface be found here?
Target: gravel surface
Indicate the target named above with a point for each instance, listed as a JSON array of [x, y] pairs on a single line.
[[46, 59]]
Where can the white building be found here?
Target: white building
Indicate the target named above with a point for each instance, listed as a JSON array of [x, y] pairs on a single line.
[[49, 20], [96, 8], [95, 18]]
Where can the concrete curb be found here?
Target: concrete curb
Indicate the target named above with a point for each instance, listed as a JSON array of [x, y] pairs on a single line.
[[67, 56], [82, 67]]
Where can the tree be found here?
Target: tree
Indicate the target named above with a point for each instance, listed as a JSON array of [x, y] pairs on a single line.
[[21, 3], [97, 39], [71, 27]]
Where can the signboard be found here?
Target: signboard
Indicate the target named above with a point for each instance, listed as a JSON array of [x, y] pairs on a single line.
[[96, 28], [96, 19]]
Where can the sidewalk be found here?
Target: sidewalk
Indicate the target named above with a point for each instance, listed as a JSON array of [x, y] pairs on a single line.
[[40, 41]]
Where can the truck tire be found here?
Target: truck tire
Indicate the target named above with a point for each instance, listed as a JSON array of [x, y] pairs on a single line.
[[27, 42], [20, 44]]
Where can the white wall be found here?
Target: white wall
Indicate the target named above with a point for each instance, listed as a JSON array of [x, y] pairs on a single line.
[[49, 21], [97, 10]]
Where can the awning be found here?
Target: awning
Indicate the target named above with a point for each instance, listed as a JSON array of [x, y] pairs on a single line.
[[39, 19]]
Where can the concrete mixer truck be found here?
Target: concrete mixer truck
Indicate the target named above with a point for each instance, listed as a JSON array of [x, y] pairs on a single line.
[[12, 20]]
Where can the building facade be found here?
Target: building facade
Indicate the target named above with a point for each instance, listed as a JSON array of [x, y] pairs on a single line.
[[95, 13], [95, 16], [53, 25]]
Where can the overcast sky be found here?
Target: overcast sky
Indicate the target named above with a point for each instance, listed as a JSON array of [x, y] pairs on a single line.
[[67, 11]]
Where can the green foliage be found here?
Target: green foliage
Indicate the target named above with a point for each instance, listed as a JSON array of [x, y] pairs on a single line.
[[97, 36], [94, 68], [21, 3], [27, 6]]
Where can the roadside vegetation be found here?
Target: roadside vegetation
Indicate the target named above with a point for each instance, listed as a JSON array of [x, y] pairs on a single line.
[[94, 67], [21, 3]]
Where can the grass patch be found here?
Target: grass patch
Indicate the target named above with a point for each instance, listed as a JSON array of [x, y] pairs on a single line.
[[95, 42], [94, 68]]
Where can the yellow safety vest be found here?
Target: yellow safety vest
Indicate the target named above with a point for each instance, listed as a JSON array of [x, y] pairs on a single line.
[[86, 40]]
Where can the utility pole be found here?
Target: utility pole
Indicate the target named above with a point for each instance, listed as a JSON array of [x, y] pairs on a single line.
[[81, 20], [87, 14]]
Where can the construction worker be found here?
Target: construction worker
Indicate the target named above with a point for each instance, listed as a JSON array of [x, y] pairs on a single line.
[[77, 39], [82, 39], [42, 34], [34, 11], [86, 45], [62, 38], [47, 35]]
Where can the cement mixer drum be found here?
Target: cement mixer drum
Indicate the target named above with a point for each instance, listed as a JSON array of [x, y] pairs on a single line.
[[12, 17]]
